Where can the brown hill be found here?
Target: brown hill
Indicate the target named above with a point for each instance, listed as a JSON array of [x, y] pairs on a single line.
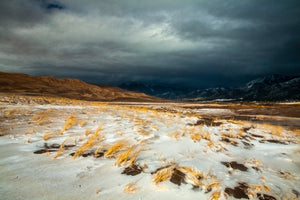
[[66, 87]]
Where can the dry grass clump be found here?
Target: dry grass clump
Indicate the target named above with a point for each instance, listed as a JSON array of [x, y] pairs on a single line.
[[51, 100], [229, 140], [131, 188], [274, 130], [92, 140], [38, 115], [60, 150], [12, 113], [215, 196], [215, 146], [197, 134], [128, 156], [205, 136], [212, 185], [97, 191], [296, 131], [124, 157], [121, 133], [154, 127], [116, 147], [174, 135], [178, 175], [139, 121], [141, 131], [43, 116], [134, 156], [163, 174], [263, 179], [28, 140], [96, 103], [196, 137], [291, 196], [87, 132], [69, 123], [82, 123], [254, 162], [98, 150], [277, 130], [241, 123], [241, 134], [193, 176], [142, 109], [230, 134], [261, 188], [255, 189], [285, 175], [99, 128], [49, 135], [31, 130]]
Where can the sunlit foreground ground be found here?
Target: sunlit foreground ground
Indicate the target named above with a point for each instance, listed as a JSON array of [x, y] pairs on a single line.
[[62, 149]]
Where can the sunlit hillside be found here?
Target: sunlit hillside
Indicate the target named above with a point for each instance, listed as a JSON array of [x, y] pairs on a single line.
[[18, 83]]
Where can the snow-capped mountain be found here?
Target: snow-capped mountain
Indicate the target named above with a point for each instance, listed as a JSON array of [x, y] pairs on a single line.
[[269, 88]]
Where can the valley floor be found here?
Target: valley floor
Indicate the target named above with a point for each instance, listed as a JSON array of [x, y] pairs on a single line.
[[63, 149]]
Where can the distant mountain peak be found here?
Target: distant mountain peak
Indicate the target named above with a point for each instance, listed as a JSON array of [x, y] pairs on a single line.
[[269, 80], [274, 87]]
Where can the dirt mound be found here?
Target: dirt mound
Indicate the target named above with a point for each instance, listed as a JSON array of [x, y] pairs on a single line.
[[66, 87]]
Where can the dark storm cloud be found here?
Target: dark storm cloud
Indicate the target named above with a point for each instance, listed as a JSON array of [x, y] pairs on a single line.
[[200, 43], [19, 13]]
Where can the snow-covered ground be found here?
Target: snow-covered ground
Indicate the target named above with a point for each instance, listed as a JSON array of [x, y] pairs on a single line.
[[142, 151]]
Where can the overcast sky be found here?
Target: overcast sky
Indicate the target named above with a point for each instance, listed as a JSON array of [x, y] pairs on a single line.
[[200, 43]]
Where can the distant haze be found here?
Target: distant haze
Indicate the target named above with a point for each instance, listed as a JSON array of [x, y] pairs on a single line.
[[200, 43]]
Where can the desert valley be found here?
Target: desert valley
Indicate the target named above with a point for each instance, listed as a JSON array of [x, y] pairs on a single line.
[[129, 145], [143, 100]]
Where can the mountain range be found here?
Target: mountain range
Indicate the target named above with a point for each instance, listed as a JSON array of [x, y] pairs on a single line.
[[269, 88]]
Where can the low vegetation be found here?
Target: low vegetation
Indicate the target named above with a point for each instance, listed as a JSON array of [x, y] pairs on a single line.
[[69, 123], [161, 144]]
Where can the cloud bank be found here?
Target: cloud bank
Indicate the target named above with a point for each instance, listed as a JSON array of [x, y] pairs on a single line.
[[193, 42]]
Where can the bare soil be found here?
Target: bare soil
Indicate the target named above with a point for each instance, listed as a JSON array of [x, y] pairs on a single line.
[[239, 191], [235, 165]]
